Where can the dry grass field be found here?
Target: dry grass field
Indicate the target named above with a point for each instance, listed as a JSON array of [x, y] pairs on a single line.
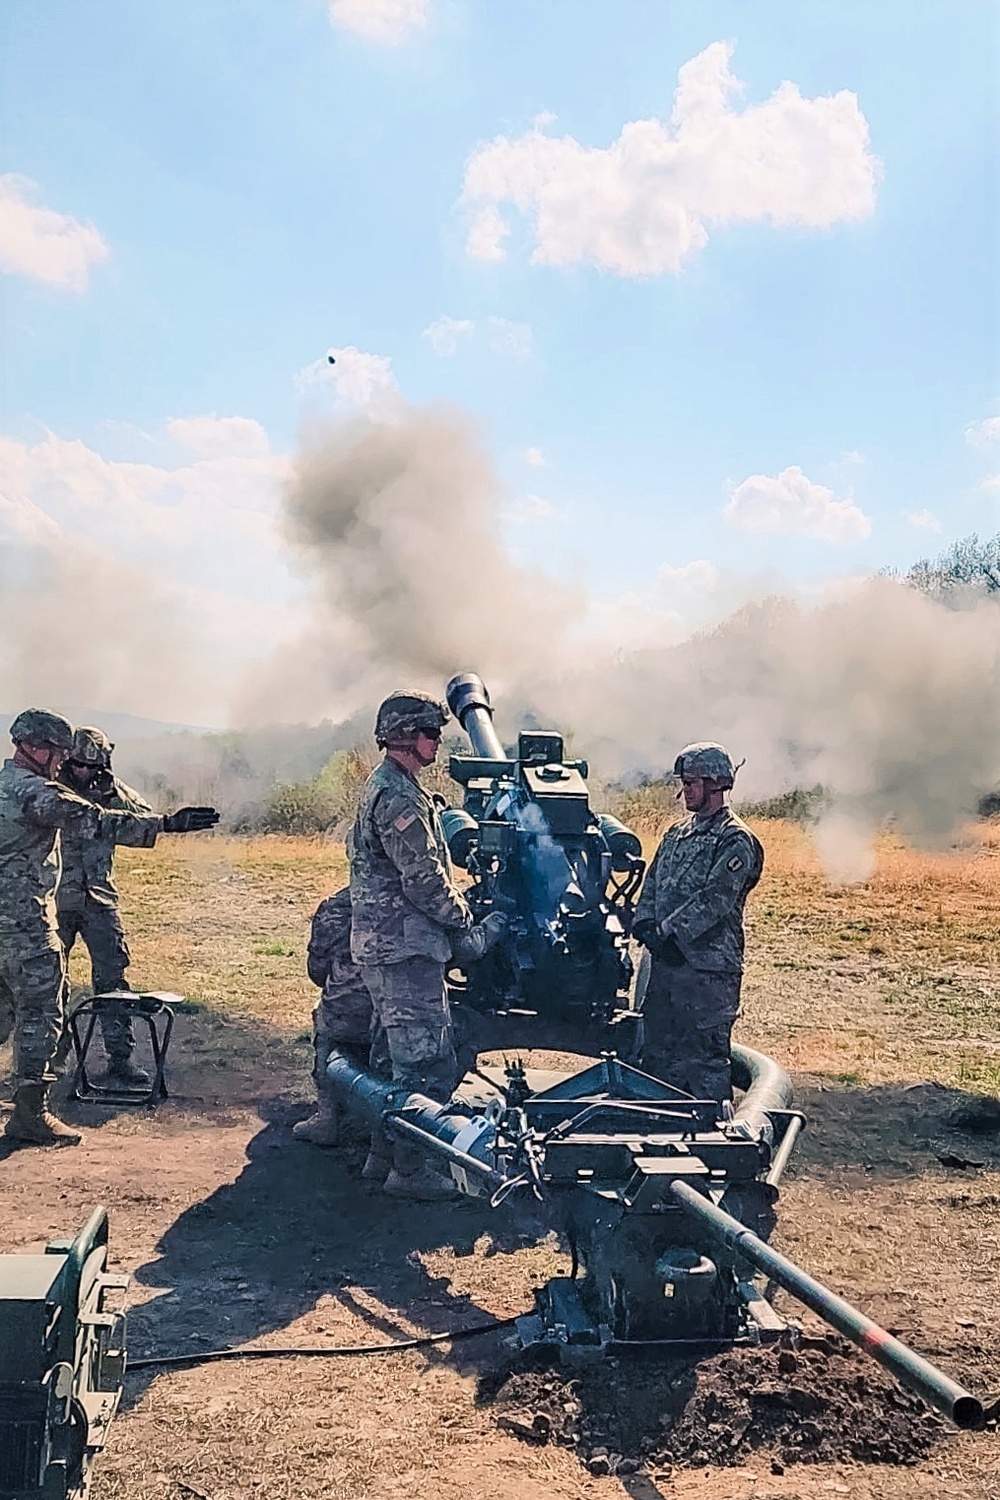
[[883, 1000]]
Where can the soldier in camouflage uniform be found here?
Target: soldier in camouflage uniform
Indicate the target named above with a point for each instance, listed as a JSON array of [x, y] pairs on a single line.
[[690, 917], [343, 1017], [34, 810], [406, 912], [87, 900]]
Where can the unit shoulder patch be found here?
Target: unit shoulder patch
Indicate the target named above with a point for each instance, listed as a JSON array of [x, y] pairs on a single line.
[[734, 864]]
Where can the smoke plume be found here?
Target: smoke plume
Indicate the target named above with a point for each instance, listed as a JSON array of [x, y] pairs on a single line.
[[885, 696], [395, 520]]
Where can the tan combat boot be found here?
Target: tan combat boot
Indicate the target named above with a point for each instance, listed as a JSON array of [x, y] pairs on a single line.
[[422, 1186], [31, 1122], [323, 1127]]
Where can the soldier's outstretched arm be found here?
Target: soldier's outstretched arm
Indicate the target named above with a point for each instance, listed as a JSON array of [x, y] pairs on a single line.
[[52, 805], [735, 870], [408, 840]]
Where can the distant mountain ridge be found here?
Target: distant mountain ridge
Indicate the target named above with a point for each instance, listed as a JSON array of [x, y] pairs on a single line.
[[116, 726]]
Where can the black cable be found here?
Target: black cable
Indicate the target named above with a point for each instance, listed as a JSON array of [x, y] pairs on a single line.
[[213, 1356]]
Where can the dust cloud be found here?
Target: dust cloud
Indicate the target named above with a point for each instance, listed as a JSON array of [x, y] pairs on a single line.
[[885, 696]]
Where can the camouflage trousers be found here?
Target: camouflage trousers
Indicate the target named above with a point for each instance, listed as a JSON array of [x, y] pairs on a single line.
[[412, 1041], [31, 1003], [343, 1021], [688, 1017], [100, 929]]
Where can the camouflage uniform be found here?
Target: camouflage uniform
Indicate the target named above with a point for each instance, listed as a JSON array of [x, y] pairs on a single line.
[[87, 902], [33, 812], [406, 909], [343, 1017], [697, 884]]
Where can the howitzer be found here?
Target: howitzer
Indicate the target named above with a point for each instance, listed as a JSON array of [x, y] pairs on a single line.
[[62, 1359], [566, 876], [666, 1203]]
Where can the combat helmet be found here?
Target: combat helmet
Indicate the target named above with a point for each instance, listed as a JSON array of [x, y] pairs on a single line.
[[708, 760], [37, 726], [403, 714], [91, 747]]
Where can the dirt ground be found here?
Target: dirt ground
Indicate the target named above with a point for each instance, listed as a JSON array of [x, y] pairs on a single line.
[[883, 1000]]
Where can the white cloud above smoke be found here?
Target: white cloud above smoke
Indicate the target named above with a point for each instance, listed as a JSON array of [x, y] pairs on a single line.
[[42, 244], [355, 379], [983, 434], [790, 504], [502, 335], [387, 22], [646, 204]]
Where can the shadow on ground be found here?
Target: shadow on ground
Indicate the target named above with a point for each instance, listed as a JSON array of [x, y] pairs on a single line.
[[299, 1224]]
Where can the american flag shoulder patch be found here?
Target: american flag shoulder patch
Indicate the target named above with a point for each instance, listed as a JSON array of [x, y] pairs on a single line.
[[403, 822]]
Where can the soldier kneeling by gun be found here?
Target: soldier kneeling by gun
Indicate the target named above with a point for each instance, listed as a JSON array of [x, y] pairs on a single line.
[[690, 917], [343, 1017]]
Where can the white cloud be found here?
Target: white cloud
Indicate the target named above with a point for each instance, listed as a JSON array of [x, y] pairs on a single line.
[[535, 457], [488, 232], [923, 520], [38, 242], [502, 335], [982, 434], [510, 338], [356, 378], [219, 437], [530, 510], [991, 482], [445, 334], [790, 504], [645, 204], [385, 21]]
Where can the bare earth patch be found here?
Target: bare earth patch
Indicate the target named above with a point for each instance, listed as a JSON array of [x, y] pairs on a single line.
[[881, 997]]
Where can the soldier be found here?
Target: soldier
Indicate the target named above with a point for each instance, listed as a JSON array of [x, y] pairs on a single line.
[[406, 912], [690, 917], [86, 898], [343, 1017], [34, 808]]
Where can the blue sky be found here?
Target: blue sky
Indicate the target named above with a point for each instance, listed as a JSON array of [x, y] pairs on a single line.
[[806, 394]]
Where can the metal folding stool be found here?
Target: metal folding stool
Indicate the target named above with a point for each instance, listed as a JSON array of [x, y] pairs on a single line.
[[155, 1009]]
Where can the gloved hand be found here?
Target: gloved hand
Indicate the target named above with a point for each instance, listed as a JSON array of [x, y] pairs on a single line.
[[669, 952], [469, 946], [666, 949], [644, 932], [493, 926], [190, 820]]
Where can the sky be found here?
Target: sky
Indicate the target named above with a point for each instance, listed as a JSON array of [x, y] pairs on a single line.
[[716, 285]]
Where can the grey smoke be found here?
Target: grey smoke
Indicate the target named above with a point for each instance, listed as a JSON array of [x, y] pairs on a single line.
[[882, 694]]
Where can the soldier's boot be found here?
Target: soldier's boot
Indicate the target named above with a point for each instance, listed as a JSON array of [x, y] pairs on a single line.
[[323, 1127], [423, 1186], [31, 1122], [378, 1162], [123, 1071], [411, 1177]]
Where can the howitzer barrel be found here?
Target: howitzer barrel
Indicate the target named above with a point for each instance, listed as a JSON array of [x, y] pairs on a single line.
[[909, 1368], [470, 703]]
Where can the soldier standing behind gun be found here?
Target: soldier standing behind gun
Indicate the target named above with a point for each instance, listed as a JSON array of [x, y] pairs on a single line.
[[343, 1017], [34, 810], [86, 897], [690, 917], [407, 911]]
